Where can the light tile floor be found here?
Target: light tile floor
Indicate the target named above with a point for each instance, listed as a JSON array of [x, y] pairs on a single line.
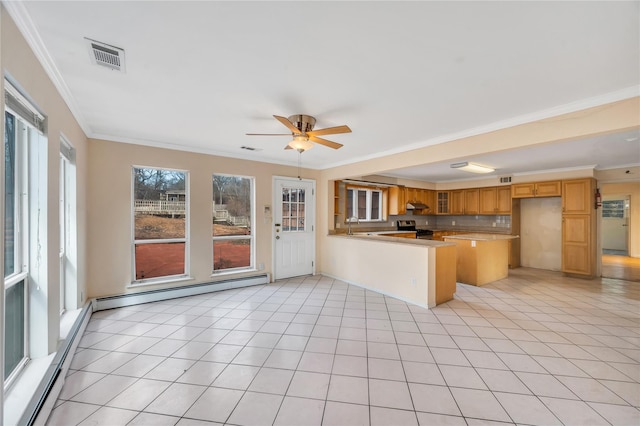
[[535, 348]]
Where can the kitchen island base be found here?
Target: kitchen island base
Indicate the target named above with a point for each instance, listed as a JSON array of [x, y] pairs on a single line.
[[480, 259]]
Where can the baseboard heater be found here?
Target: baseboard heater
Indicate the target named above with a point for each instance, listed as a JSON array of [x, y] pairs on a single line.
[[111, 302], [43, 400]]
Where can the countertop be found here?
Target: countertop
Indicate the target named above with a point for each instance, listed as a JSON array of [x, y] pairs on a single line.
[[383, 232], [395, 240], [482, 237]]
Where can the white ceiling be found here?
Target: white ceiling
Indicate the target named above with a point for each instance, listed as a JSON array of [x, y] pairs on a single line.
[[199, 75]]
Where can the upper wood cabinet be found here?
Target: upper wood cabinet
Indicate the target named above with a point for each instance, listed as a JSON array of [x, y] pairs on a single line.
[[464, 201], [456, 202], [397, 200], [537, 189], [411, 195], [336, 198], [429, 198], [578, 196], [442, 202], [471, 201], [495, 200]]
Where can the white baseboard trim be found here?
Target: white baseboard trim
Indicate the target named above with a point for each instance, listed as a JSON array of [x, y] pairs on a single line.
[[102, 303]]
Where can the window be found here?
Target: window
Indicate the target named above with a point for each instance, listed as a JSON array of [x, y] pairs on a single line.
[[160, 214], [15, 250], [25, 224], [613, 208], [233, 242], [365, 204]]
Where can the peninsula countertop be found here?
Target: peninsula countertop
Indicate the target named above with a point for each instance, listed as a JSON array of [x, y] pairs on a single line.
[[481, 237]]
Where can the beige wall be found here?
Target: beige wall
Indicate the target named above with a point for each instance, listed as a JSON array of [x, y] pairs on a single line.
[[21, 66], [109, 201]]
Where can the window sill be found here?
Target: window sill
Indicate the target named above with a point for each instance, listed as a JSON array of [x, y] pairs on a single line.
[[19, 395], [234, 272], [166, 280]]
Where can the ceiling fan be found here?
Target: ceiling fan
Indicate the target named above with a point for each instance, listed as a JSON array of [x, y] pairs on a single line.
[[301, 126]]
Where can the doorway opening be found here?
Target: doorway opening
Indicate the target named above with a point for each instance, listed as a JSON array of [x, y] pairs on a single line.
[[616, 260]]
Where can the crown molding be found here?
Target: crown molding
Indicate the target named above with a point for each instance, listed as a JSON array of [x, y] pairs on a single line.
[[18, 12], [607, 98]]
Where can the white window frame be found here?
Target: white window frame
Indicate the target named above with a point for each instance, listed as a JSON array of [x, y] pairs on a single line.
[[165, 278], [369, 204], [251, 237], [21, 257]]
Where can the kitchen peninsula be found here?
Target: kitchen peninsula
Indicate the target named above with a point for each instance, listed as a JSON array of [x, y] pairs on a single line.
[[417, 271], [481, 258]]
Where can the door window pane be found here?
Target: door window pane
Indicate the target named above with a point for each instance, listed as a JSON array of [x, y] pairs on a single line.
[[293, 211]]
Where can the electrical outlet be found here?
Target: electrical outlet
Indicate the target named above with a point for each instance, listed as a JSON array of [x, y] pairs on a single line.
[[426, 222], [453, 223], [493, 224], [261, 266], [473, 243], [413, 281]]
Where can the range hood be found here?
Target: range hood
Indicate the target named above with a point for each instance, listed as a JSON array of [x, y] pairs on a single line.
[[417, 206]]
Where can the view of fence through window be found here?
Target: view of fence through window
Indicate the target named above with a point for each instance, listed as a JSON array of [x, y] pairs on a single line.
[[160, 208], [231, 230]]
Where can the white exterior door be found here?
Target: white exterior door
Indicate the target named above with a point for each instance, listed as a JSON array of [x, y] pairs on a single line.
[[294, 227]]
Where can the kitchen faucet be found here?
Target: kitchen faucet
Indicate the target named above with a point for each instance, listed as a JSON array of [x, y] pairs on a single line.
[[349, 221]]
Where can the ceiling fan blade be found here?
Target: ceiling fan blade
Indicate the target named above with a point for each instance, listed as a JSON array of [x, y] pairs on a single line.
[[287, 123], [268, 134], [325, 142], [330, 131]]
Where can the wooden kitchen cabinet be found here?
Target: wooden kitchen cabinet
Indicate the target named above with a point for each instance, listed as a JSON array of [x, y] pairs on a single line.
[[495, 200], [579, 227], [397, 200], [336, 198], [429, 198], [442, 200], [578, 196], [456, 202], [412, 195], [471, 201], [576, 244], [537, 189], [504, 199], [464, 201]]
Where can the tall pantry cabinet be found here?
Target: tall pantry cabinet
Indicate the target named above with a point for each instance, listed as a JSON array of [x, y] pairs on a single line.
[[579, 227]]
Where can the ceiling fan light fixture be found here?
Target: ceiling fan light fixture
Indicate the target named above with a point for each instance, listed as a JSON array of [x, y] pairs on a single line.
[[472, 167], [301, 143]]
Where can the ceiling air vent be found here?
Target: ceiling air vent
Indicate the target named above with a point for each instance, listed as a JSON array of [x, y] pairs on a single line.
[[505, 179], [106, 55]]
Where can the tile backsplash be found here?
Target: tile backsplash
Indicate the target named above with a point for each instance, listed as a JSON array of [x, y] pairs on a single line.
[[503, 222]]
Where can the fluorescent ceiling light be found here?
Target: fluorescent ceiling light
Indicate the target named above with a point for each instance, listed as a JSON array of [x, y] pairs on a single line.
[[472, 167]]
